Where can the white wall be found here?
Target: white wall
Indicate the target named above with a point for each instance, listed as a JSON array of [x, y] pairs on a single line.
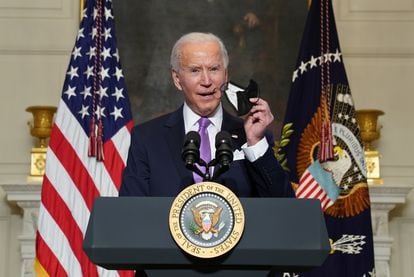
[[36, 39], [377, 40]]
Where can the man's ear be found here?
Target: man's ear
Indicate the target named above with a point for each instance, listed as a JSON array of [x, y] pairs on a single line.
[[176, 79]]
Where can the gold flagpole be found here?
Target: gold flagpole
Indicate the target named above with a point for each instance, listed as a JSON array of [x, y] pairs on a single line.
[[81, 7]]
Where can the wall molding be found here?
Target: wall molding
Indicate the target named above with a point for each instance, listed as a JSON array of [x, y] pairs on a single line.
[[35, 52], [5, 242], [403, 248], [375, 53], [21, 9], [374, 10], [401, 172], [16, 172]]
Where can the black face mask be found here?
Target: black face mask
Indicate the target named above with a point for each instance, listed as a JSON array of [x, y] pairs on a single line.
[[239, 97]]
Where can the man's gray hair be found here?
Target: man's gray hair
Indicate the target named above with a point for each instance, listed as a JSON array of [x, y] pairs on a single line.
[[196, 37]]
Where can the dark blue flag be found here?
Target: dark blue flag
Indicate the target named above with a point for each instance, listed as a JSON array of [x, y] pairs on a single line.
[[321, 137]]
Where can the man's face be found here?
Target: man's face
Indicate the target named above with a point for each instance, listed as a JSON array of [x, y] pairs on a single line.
[[201, 75]]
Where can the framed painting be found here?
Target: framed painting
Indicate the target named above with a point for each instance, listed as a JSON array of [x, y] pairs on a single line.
[[261, 36]]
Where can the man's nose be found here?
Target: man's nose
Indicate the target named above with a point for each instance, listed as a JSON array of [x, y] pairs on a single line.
[[205, 78]]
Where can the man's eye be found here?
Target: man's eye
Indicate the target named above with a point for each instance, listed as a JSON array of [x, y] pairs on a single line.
[[194, 70]]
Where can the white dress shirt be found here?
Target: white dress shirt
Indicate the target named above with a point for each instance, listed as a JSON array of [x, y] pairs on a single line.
[[252, 153]]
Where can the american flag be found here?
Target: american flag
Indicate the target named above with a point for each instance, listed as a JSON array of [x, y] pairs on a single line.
[[88, 147]]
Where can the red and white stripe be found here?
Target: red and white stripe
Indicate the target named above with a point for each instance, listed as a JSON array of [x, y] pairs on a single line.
[[72, 181], [309, 188]]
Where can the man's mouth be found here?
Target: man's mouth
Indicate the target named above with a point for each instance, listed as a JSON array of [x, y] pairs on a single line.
[[206, 94]]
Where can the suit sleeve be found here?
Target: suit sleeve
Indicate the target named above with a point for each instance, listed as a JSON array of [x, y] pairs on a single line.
[[269, 177], [136, 175]]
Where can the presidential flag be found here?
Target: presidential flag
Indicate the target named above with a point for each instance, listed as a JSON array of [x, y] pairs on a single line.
[[321, 136], [88, 147]]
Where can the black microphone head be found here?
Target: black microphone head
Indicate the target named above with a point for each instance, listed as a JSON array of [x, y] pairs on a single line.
[[192, 137], [191, 148], [224, 149], [223, 137]]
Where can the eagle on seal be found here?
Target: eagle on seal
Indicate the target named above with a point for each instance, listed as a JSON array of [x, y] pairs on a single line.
[[206, 219]]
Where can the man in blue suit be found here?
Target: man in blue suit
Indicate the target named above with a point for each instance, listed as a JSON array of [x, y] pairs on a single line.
[[199, 63]]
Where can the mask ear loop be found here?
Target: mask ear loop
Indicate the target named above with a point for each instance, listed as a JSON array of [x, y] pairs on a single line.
[[223, 87], [252, 82], [258, 94]]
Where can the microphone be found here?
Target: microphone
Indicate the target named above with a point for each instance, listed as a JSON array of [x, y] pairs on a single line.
[[224, 153], [191, 153], [191, 148]]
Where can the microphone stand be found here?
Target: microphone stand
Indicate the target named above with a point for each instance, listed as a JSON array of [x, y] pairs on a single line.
[[206, 176], [219, 169]]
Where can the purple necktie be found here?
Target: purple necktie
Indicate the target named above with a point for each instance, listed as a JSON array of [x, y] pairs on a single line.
[[205, 151]]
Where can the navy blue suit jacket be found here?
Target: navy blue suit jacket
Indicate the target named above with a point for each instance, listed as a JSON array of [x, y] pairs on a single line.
[[155, 166]]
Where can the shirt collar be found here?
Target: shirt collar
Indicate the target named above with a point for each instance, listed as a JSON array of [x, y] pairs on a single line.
[[191, 118]]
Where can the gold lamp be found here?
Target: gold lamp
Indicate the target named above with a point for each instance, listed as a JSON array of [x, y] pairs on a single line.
[[40, 127], [370, 131]]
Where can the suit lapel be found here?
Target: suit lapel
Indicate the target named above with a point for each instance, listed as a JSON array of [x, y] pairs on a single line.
[[175, 138]]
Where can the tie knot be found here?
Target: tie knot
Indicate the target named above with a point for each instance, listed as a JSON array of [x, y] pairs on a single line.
[[203, 122]]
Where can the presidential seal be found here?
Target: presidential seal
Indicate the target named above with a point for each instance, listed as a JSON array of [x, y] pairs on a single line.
[[206, 220]]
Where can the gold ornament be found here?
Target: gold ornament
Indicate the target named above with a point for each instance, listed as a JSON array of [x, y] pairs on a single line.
[[40, 127], [370, 131]]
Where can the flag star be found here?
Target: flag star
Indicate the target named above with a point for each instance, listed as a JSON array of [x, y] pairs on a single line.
[[84, 111], [107, 33], [116, 55], [106, 53], [117, 113], [95, 13], [349, 179], [86, 92], [73, 72], [321, 60], [92, 52], [337, 56], [70, 92], [345, 187], [302, 67], [100, 112], [104, 73], [327, 57], [94, 32], [355, 169], [340, 115], [118, 93], [88, 72], [359, 176], [102, 92], [76, 52], [118, 73], [346, 116], [295, 75], [353, 120], [108, 14], [312, 62], [80, 34], [84, 14]]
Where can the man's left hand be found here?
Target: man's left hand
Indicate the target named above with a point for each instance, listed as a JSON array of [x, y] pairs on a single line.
[[257, 120]]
